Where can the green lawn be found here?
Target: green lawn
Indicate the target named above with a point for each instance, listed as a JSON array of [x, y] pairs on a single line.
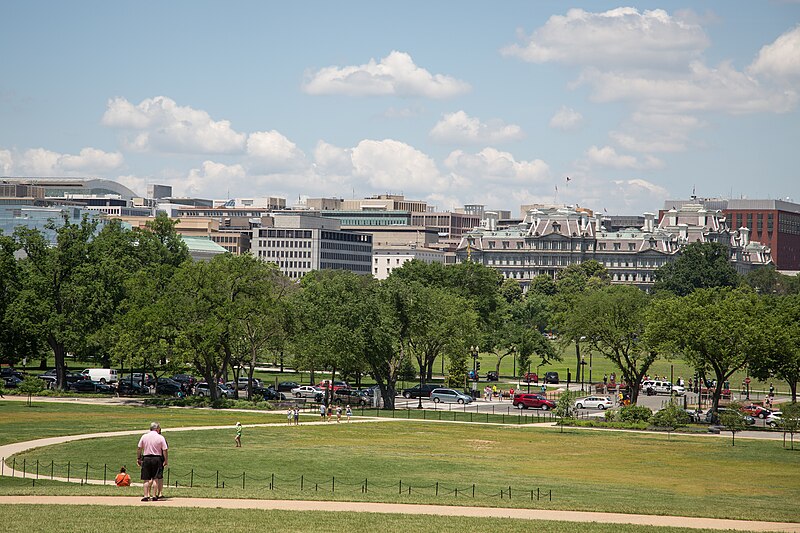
[[19, 422], [85, 519], [585, 470]]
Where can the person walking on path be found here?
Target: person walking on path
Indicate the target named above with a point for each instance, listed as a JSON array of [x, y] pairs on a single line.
[[149, 452], [238, 438], [338, 414], [322, 411], [289, 416], [160, 475], [123, 479], [296, 415], [330, 413], [349, 413]]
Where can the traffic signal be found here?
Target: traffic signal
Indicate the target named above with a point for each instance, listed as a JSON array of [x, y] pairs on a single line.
[[477, 366]]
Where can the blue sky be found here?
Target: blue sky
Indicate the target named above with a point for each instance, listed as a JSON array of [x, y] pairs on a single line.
[[452, 102]]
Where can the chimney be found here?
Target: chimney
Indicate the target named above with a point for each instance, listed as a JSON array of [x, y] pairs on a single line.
[[701, 218], [648, 222], [673, 217], [683, 230], [744, 232]]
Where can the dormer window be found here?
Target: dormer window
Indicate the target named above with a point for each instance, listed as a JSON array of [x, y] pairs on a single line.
[[556, 227]]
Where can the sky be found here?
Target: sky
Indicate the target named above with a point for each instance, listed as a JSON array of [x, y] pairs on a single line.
[[609, 106]]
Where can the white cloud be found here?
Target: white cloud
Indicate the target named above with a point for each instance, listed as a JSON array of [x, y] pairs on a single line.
[[403, 112], [702, 89], [391, 165], [491, 165], [608, 157], [781, 59], [395, 74], [656, 132], [332, 159], [622, 36], [635, 195], [270, 151], [459, 127], [42, 162], [211, 176], [566, 119], [161, 125], [6, 162]]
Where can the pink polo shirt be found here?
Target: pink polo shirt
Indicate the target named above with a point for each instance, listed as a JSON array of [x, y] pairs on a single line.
[[152, 443]]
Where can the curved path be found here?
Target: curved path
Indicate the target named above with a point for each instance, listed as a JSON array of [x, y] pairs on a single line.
[[371, 507], [403, 508]]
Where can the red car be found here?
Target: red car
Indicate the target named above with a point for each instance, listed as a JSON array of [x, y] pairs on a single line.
[[756, 411], [531, 377], [336, 384], [524, 400]]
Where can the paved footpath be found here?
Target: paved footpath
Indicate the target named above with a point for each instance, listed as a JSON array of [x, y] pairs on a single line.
[[402, 508]]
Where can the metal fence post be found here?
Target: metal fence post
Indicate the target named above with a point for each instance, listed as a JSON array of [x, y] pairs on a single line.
[[217, 484], [105, 472], [191, 478], [24, 467], [333, 484], [243, 475], [37, 468]]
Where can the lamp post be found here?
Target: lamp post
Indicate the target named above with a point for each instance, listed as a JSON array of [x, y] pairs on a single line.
[[590, 367], [475, 352], [529, 375], [583, 371]]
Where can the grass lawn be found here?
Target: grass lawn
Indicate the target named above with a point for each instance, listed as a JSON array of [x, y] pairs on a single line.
[[85, 518], [586, 470], [49, 419]]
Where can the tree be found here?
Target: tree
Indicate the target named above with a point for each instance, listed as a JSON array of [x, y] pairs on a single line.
[[791, 421], [767, 280], [571, 283], [11, 341], [781, 332], [733, 419], [59, 299], [30, 385], [717, 330], [543, 285], [701, 265], [612, 320], [511, 290], [564, 407], [670, 417]]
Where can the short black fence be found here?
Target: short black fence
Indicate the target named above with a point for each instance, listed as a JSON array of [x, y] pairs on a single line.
[[86, 473], [496, 414]]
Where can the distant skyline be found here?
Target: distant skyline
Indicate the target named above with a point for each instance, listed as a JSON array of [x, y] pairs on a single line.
[[455, 103]]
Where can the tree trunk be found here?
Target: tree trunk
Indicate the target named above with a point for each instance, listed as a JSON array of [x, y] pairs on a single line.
[[430, 369], [793, 388], [61, 366]]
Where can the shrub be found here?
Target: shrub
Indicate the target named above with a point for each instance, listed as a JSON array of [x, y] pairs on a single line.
[[635, 413], [610, 415], [671, 416]]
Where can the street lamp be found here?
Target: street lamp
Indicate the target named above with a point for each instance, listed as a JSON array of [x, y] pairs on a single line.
[[583, 371]]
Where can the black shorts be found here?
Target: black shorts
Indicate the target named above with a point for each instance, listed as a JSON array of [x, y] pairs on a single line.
[[150, 467], [160, 473]]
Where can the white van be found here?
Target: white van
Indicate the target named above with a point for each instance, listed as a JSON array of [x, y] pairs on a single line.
[[103, 375]]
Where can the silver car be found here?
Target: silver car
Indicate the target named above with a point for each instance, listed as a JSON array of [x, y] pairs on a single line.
[[449, 396]]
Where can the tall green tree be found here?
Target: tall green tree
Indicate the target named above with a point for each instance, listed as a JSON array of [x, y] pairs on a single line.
[[701, 265], [716, 330], [612, 320], [60, 298], [781, 332], [12, 345]]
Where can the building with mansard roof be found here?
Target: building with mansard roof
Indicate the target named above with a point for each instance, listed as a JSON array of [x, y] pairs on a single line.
[[550, 239]]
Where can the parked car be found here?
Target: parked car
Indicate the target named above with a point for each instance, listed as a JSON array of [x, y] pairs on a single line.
[[306, 391], [449, 396], [187, 380], [594, 402], [202, 389], [492, 376], [142, 378], [103, 375], [348, 397], [50, 378], [168, 387], [756, 411], [551, 377], [524, 400], [419, 390], [287, 386], [269, 393], [87, 385], [656, 386], [11, 382], [325, 383], [132, 387], [713, 417], [775, 419], [241, 383], [8, 371], [530, 377]]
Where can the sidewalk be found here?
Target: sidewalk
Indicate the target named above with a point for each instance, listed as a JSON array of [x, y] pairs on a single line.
[[413, 509]]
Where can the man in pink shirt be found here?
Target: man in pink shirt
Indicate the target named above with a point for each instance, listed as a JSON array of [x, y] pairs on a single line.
[[152, 447]]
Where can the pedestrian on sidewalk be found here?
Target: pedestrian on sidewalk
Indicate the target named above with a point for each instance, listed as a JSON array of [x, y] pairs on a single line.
[[349, 413], [296, 416], [338, 414], [289, 416], [151, 449], [322, 411]]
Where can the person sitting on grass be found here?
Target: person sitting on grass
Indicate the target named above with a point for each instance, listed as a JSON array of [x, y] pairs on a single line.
[[123, 479]]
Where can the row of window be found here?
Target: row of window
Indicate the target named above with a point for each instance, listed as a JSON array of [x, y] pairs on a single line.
[[282, 253], [351, 258], [285, 244], [515, 274], [348, 247]]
